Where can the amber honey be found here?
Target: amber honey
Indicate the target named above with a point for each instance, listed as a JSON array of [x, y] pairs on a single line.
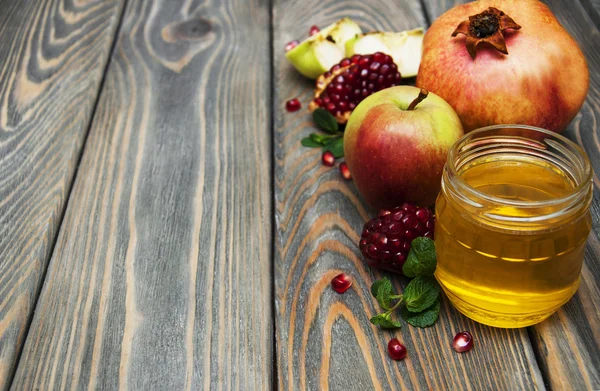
[[512, 223]]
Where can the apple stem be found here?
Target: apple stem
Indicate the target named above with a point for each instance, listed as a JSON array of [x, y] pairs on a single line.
[[422, 95]]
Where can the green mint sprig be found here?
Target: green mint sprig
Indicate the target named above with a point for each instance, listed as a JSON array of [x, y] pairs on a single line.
[[333, 141], [419, 304]]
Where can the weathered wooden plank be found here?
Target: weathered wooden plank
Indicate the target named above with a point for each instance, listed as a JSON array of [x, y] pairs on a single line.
[[568, 343], [325, 340], [53, 54], [160, 279]]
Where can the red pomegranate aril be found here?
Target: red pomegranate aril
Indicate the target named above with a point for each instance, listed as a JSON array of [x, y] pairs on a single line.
[[462, 342], [328, 159], [292, 44], [331, 107], [364, 62], [345, 62], [422, 215], [396, 350], [345, 171], [379, 57], [341, 283], [293, 105], [313, 30], [342, 106], [392, 232], [374, 66]]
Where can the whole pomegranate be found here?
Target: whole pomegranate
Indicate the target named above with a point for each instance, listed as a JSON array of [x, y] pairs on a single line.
[[502, 62]]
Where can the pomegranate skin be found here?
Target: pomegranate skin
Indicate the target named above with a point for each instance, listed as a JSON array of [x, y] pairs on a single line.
[[543, 81]]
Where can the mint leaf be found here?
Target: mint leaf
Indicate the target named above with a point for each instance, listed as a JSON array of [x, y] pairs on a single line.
[[336, 146], [385, 321], [325, 121], [421, 260], [421, 293], [382, 290], [310, 143], [422, 319], [318, 138]]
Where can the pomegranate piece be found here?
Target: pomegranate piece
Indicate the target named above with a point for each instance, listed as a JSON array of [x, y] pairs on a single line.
[[328, 159], [313, 30], [396, 350], [346, 84], [386, 239], [293, 105], [462, 342], [292, 44], [345, 171], [341, 283]]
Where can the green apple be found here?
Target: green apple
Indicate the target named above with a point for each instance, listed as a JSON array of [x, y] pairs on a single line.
[[396, 143], [320, 52], [405, 48]]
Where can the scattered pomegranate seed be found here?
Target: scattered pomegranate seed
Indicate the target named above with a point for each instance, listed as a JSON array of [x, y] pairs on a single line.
[[462, 342], [346, 84], [313, 30], [345, 171], [292, 44], [386, 239], [396, 350], [328, 159], [341, 283], [293, 105]]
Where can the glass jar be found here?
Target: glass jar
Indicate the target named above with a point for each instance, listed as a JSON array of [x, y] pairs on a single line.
[[512, 222]]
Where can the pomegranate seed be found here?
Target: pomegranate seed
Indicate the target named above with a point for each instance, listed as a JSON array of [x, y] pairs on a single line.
[[462, 342], [293, 105], [396, 350], [388, 236], [292, 44], [354, 79], [345, 171], [341, 283], [313, 30], [328, 159]]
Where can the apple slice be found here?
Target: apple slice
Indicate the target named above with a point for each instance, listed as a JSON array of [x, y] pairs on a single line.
[[405, 48], [318, 53]]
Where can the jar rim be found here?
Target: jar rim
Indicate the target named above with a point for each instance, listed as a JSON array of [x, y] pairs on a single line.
[[583, 185]]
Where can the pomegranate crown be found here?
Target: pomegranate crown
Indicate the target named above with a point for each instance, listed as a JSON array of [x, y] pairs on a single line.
[[486, 28]]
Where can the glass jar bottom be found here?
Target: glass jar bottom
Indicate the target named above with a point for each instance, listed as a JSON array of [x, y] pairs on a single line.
[[501, 320]]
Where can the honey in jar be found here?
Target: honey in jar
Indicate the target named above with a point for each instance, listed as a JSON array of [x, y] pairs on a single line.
[[512, 222]]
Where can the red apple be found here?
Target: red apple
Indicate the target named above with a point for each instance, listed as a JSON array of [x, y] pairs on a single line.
[[396, 144], [522, 66]]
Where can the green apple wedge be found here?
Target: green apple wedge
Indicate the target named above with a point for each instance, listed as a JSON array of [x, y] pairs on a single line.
[[320, 52], [405, 47]]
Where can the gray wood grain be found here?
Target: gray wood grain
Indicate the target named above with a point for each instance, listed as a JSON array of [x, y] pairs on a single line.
[[161, 276], [325, 340], [53, 54], [568, 343]]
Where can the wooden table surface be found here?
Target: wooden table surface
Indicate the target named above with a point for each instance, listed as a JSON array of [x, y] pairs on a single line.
[[162, 228]]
